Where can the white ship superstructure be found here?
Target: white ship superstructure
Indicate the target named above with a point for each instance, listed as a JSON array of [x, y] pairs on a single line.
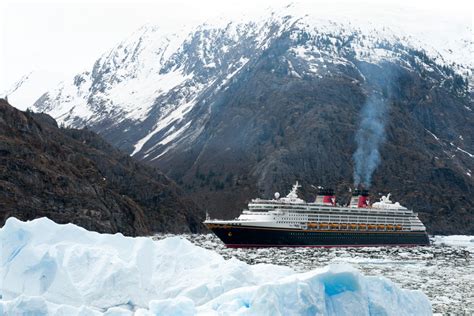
[[293, 212], [290, 221]]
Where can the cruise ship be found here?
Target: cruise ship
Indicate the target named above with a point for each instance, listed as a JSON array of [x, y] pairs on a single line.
[[291, 222]]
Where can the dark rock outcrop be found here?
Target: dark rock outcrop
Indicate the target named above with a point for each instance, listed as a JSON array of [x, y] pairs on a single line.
[[75, 176]]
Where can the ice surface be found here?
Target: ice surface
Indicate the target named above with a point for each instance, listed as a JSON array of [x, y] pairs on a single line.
[[47, 268], [444, 271]]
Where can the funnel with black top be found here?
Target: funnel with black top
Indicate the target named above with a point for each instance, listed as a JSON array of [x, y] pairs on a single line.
[[325, 196], [360, 198]]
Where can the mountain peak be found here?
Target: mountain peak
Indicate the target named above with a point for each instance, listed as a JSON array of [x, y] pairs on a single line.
[[201, 101]]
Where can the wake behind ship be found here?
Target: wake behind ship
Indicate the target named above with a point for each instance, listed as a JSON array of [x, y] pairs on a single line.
[[290, 222]]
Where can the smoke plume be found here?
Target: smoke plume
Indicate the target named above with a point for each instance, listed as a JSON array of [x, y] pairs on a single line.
[[369, 137]]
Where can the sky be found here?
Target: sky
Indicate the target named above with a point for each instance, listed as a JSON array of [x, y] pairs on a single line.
[[63, 38]]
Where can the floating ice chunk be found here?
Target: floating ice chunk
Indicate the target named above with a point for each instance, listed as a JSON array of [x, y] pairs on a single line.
[[54, 269], [334, 290], [455, 240]]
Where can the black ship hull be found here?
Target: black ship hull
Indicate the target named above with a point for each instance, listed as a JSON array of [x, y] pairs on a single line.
[[246, 236]]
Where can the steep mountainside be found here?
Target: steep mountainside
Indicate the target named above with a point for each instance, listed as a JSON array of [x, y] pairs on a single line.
[[237, 110], [74, 176]]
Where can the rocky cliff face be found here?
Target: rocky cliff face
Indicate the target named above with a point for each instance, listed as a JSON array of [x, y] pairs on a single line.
[[75, 176], [242, 109]]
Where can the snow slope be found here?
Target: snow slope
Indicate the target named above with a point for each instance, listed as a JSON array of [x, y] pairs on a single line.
[[54, 269], [29, 88]]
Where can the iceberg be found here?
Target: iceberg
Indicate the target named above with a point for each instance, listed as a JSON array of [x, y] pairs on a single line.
[[52, 269]]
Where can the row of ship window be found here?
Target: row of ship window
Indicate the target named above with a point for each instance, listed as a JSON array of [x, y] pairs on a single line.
[[360, 220], [348, 221], [333, 210], [363, 223], [371, 214], [310, 235]]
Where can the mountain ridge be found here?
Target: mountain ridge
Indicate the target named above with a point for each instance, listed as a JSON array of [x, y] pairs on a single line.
[[206, 112], [75, 176]]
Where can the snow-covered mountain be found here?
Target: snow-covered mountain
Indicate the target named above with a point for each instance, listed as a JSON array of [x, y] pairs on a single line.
[[244, 105], [24, 92], [153, 79]]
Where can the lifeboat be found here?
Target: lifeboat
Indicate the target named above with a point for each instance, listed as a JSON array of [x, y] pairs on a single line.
[[381, 226], [398, 227], [323, 225], [353, 226], [372, 226], [362, 226]]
